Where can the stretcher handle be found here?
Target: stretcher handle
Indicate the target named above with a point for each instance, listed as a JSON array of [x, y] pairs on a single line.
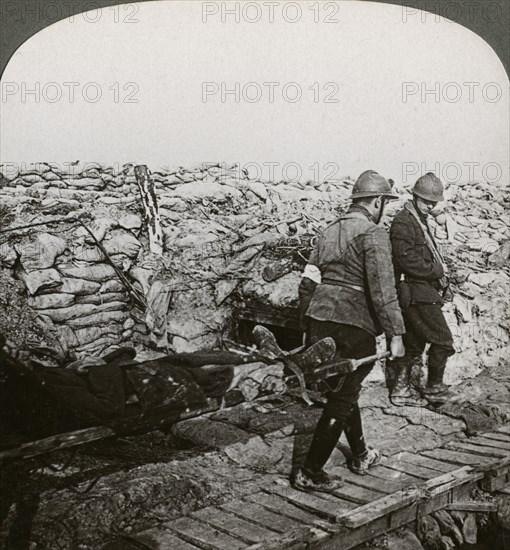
[[360, 362]]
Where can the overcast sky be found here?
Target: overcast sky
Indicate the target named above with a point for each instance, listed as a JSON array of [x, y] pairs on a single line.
[[162, 69]]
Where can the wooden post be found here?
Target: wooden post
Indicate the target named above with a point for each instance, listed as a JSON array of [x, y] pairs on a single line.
[[150, 205]]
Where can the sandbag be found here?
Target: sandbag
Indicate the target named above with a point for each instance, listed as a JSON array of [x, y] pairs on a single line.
[[50, 301], [41, 279], [39, 251], [98, 272]]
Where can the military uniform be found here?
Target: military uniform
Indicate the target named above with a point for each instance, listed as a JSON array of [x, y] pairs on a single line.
[[422, 277], [352, 300]]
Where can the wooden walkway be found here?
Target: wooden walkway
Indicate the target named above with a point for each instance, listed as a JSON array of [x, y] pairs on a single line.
[[403, 488]]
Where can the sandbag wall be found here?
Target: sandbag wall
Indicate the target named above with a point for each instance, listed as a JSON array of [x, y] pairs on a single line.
[[228, 240]]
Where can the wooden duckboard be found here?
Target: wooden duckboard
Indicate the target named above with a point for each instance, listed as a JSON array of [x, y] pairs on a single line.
[[277, 517]]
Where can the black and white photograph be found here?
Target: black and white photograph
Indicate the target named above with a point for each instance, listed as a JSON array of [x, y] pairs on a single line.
[[254, 275]]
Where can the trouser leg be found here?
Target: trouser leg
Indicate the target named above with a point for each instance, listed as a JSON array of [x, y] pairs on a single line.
[[338, 415], [354, 432], [341, 408], [433, 325], [438, 355], [429, 322], [326, 436]]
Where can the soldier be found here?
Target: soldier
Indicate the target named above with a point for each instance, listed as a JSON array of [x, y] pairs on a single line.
[[348, 293], [423, 286]]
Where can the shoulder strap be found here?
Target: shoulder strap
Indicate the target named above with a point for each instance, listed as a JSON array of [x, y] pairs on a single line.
[[431, 244]]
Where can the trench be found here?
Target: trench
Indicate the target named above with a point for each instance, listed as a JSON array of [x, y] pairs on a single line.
[[490, 538]]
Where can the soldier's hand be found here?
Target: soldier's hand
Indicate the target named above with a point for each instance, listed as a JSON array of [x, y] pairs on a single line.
[[397, 348]]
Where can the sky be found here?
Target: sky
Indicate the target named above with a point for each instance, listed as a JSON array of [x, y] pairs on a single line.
[[302, 91]]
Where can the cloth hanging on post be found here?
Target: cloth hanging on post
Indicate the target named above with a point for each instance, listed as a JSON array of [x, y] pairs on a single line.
[[158, 302]]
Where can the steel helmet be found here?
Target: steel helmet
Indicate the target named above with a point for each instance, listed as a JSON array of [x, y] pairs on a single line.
[[429, 187], [372, 184]]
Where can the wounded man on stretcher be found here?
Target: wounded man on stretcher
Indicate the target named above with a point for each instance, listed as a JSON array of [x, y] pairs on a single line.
[[128, 395]]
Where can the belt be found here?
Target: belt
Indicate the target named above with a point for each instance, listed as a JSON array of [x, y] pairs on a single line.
[[345, 284]]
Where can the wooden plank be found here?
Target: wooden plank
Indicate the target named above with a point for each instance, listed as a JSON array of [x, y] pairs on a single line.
[[504, 429], [499, 468], [85, 435], [426, 462], [357, 494], [260, 515], [467, 506], [369, 512], [411, 469], [497, 436], [57, 442], [297, 539], [461, 476], [202, 535], [505, 445], [455, 457], [347, 539], [384, 486], [126, 544], [232, 525], [284, 508], [466, 447], [493, 483], [162, 539], [325, 508], [383, 472]]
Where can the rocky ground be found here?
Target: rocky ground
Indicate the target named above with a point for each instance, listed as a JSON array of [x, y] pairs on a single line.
[[121, 487]]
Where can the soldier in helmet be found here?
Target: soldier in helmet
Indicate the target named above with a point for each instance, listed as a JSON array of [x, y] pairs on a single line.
[[423, 286], [348, 293]]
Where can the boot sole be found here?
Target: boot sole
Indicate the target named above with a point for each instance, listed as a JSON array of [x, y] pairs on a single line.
[[315, 355]]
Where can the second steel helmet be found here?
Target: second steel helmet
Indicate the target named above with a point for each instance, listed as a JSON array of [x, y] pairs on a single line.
[[429, 187], [372, 184]]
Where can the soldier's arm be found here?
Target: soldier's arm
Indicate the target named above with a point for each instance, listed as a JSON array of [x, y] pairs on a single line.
[[381, 282], [410, 258]]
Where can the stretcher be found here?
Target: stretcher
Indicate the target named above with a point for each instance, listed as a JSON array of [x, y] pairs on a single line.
[[305, 367]]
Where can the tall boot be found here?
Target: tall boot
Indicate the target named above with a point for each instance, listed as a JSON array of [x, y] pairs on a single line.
[[437, 392], [402, 394], [312, 477], [435, 375]]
